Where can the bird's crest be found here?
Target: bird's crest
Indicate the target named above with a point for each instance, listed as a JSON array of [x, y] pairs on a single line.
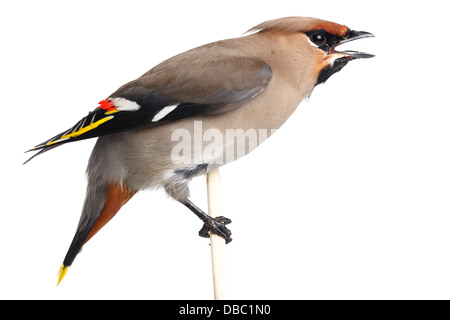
[[300, 24]]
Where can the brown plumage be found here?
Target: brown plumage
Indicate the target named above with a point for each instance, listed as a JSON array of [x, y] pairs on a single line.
[[116, 197], [294, 25], [174, 122]]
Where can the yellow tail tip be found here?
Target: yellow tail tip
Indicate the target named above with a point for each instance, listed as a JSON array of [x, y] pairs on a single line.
[[62, 272]]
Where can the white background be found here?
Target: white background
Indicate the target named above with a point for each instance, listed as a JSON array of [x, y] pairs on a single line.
[[349, 200]]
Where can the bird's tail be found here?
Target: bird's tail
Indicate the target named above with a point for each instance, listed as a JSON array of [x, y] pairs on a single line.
[[101, 205]]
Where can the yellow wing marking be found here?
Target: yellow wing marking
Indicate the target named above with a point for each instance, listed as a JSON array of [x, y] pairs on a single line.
[[111, 112], [81, 130]]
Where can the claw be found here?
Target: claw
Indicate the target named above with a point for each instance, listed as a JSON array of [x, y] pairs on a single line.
[[216, 226], [223, 220], [204, 231]]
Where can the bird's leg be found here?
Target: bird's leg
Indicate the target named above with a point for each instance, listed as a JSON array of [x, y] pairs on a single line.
[[215, 225]]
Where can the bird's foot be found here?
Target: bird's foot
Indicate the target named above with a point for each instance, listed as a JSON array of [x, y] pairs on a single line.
[[216, 226]]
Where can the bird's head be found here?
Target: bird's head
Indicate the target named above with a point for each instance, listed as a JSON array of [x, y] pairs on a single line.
[[326, 37], [322, 38]]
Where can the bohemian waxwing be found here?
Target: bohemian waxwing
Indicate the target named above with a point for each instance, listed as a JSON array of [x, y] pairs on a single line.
[[197, 111]]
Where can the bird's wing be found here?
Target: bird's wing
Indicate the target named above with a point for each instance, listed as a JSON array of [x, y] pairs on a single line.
[[176, 89]]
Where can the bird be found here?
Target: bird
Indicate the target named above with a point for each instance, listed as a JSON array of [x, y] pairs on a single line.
[[173, 123]]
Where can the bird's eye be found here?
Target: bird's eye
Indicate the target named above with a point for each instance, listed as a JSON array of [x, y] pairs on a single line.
[[319, 39]]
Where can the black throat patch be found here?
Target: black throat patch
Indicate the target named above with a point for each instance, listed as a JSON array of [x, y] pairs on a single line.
[[330, 70]]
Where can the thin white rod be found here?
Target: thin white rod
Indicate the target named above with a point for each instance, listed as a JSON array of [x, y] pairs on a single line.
[[218, 253]]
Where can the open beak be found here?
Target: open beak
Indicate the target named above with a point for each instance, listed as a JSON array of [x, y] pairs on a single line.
[[351, 36]]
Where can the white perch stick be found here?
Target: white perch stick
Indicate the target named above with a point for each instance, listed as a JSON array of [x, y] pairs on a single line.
[[218, 254]]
